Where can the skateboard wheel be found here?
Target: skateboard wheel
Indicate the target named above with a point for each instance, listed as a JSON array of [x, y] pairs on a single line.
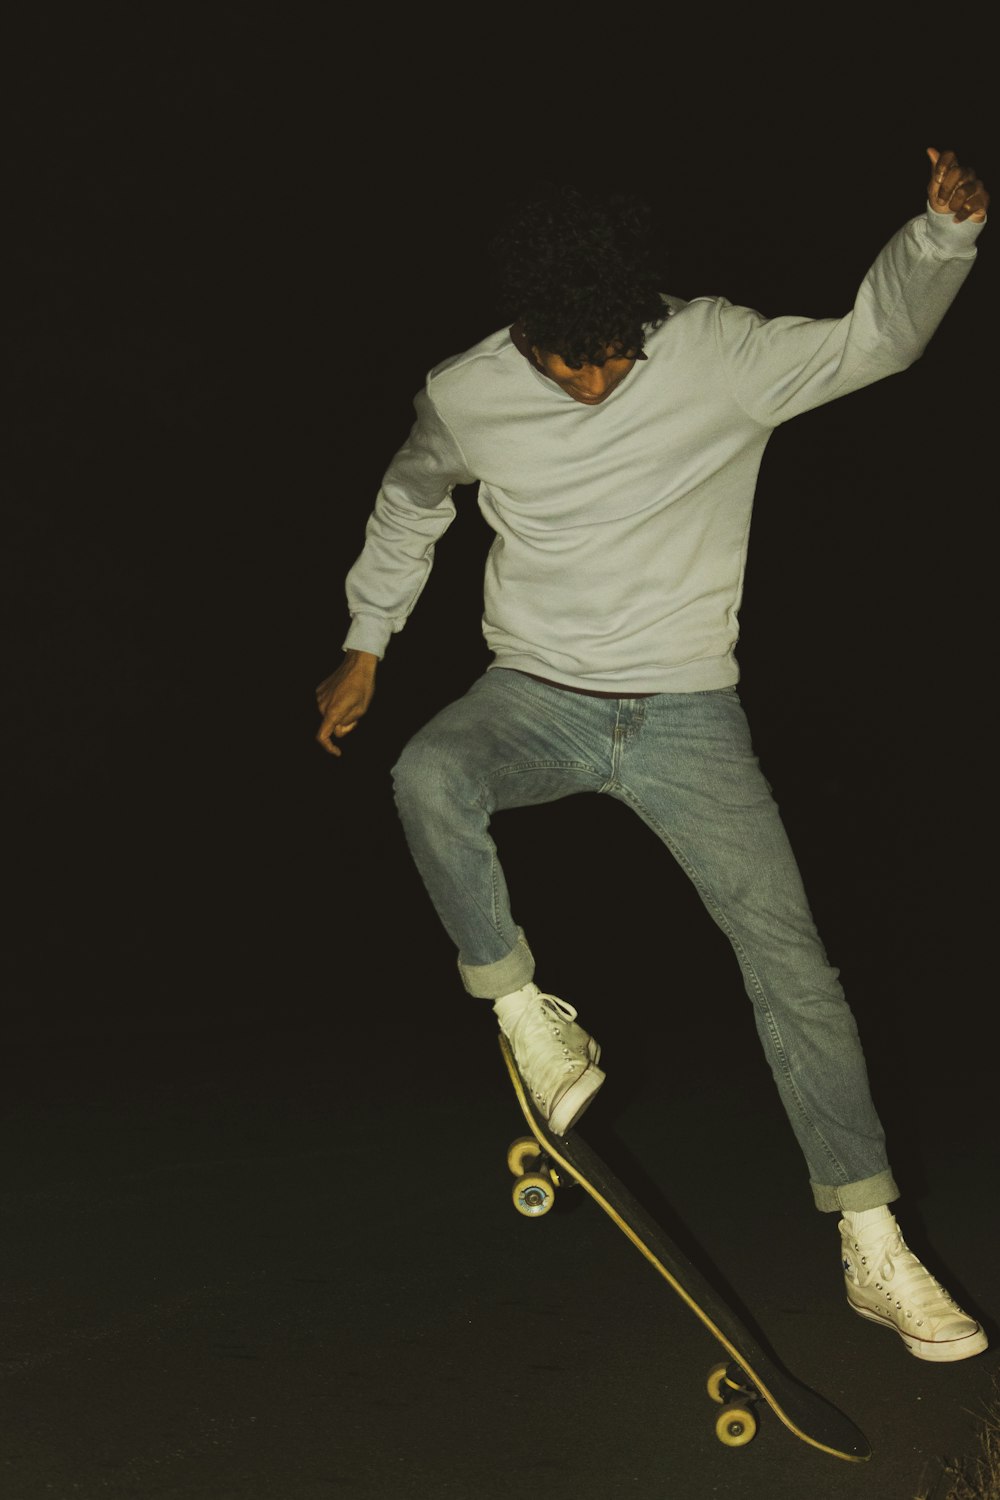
[[533, 1195], [717, 1385], [735, 1425], [727, 1381], [523, 1153]]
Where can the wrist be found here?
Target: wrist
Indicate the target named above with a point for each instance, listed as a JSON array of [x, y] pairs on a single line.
[[366, 661]]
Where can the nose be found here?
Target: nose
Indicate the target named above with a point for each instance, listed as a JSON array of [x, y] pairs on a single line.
[[594, 380]]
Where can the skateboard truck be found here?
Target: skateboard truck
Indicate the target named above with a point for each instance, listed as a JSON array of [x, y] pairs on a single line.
[[736, 1424], [536, 1177]]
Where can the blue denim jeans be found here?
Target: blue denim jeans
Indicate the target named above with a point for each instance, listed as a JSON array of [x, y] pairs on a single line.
[[685, 764]]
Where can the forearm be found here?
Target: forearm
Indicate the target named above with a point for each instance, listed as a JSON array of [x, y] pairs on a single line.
[[905, 295], [784, 366], [389, 576], [413, 510]]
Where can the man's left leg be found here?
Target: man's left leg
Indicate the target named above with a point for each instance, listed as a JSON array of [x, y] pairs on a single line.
[[687, 767]]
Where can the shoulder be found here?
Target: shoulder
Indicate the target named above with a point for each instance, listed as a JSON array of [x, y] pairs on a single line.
[[490, 353], [699, 318], [487, 377]]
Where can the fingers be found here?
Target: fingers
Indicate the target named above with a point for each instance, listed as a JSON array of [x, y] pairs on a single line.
[[955, 189], [340, 717], [334, 727], [345, 697], [974, 204], [328, 729], [945, 175], [324, 737]]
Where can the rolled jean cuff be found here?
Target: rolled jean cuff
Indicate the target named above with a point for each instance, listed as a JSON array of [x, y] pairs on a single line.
[[870, 1192], [512, 972]]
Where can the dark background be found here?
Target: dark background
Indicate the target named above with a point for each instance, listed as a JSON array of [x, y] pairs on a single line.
[[238, 244]]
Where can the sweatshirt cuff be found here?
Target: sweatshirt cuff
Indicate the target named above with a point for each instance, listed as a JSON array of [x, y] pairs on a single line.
[[949, 236], [368, 633]]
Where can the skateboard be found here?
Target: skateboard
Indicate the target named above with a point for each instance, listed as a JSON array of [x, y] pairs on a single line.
[[749, 1375]]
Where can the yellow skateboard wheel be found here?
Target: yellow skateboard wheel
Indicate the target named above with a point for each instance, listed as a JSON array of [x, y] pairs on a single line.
[[716, 1385], [735, 1425], [533, 1195], [523, 1153]]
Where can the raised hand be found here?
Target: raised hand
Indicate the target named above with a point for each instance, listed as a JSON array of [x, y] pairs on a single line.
[[954, 189]]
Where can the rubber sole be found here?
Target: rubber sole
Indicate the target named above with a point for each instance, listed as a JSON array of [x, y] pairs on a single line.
[[945, 1351]]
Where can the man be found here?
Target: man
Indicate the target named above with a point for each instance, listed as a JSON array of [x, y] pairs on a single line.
[[616, 435]]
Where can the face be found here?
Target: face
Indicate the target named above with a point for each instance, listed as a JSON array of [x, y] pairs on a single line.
[[588, 384]]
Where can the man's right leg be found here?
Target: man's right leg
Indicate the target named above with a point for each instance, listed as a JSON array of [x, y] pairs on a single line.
[[510, 742]]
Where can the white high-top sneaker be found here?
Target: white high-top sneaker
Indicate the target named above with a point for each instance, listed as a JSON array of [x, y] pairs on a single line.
[[555, 1057], [887, 1283]]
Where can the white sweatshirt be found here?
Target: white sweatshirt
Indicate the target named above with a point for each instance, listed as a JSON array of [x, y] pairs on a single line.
[[622, 528]]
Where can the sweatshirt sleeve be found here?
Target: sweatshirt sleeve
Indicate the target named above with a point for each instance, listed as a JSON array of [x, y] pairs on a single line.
[[780, 367], [413, 509]]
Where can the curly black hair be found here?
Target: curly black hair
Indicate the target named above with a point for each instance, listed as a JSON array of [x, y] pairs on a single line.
[[577, 271]]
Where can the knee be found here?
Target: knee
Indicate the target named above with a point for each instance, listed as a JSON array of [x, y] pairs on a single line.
[[430, 778]]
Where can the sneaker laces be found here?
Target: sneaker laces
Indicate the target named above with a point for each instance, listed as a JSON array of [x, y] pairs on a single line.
[[545, 1014], [889, 1266]]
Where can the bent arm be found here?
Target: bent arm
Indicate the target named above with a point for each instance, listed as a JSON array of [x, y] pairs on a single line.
[[413, 510], [780, 367]]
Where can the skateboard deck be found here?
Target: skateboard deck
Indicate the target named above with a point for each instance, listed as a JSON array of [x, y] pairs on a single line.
[[748, 1375]]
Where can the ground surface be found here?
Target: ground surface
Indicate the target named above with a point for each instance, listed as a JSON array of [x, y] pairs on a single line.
[[227, 1274]]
